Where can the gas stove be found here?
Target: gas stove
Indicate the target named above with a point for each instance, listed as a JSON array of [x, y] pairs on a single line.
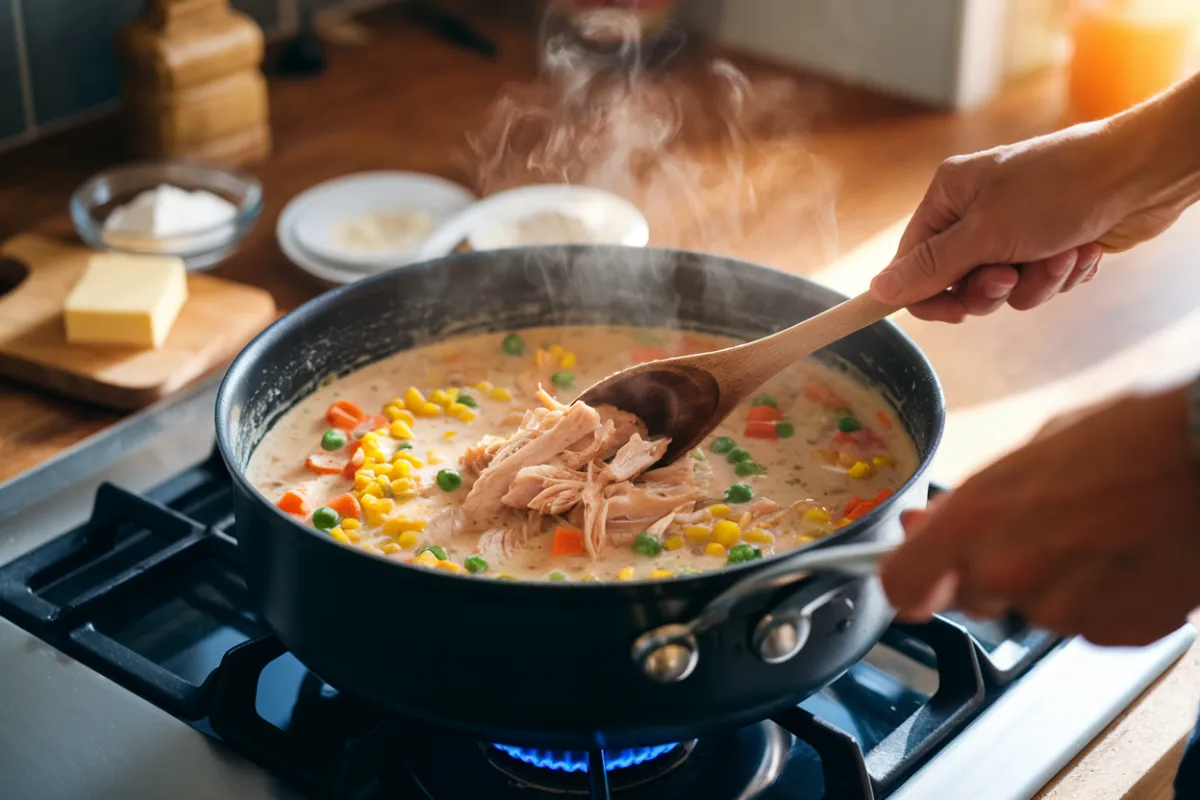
[[131, 666]]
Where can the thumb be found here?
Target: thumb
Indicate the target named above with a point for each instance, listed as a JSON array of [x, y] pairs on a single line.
[[928, 268]]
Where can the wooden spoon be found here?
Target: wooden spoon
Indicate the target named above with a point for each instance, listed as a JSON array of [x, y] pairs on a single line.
[[686, 397]]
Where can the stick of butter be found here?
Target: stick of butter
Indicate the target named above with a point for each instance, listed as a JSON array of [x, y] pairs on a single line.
[[130, 300]]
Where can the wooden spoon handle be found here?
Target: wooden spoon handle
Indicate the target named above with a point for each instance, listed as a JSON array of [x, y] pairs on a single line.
[[805, 338]]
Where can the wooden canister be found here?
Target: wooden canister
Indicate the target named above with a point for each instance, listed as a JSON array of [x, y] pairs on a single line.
[[194, 87]]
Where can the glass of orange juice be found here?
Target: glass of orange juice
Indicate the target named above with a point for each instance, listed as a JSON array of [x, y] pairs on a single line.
[[1127, 51]]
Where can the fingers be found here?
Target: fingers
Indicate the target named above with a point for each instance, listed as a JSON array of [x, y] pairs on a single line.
[[920, 578], [1042, 280], [1085, 268], [927, 268]]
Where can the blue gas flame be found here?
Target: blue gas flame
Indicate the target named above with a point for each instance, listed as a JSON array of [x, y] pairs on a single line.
[[577, 760]]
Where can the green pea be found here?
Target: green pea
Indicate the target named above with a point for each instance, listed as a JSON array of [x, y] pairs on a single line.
[[764, 400], [785, 430], [646, 545], [557, 576], [848, 425], [737, 454], [467, 401], [333, 440], [436, 549], [722, 445], [404, 446], [739, 493], [745, 469], [563, 379], [449, 480], [741, 553], [476, 565], [513, 345], [324, 518]]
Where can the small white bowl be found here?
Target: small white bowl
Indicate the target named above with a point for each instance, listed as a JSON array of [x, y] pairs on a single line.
[[491, 223], [318, 212]]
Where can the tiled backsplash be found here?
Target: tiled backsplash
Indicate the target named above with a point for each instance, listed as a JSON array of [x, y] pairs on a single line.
[[57, 63]]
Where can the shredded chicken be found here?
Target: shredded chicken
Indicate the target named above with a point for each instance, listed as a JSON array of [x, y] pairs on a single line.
[[589, 465]]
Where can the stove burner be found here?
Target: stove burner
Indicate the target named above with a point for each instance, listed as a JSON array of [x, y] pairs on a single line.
[[577, 761]]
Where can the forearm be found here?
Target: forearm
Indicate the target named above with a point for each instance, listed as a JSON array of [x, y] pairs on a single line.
[[1163, 138]]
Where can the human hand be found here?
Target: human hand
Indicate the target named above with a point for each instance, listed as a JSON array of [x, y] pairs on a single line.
[[1093, 528], [1022, 223]]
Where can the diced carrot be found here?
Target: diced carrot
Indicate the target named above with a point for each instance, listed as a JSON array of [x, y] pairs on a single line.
[[346, 506], [820, 393], [641, 355], [844, 440], [760, 430], [764, 414], [368, 424], [884, 494], [567, 542], [344, 414], [292, 502], [885, 421], [852, 504], [325, 463], [357, 457], [861, 510]]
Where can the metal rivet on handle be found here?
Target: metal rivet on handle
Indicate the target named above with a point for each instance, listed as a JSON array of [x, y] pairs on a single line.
[[667, 654], [777, 639]]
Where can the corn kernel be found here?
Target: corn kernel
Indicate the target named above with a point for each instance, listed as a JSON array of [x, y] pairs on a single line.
[[406, 455], [500, 394], [818, 516], [843, 522], [457, 409], [714, 549], [413, 397], [350, 523], [860, 470], [846, 459], [805, 539], [697, 533], [449, 566], [449, 435], [567, 361], [673, 543], [404, 488], [397, 403], [433, 457], [661, 573], [370, 548], [400, 430], [484, 386], [374, 489], [720, 511], [759, 536], [401, 468], [881, 461], [408, 540], [362, 479], [427, 559], [395, 526], [726, 533], [466, 416], [340, 535], [383, 470], [556, 350], [391, 548], [626, 574], [440, 397], [353, 536]]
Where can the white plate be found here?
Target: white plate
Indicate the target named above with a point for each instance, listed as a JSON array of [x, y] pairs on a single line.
[[330, 273], [318, 211], [486, 225]]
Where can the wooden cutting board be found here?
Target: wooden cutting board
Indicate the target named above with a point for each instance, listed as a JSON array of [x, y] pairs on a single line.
[[219, 318]]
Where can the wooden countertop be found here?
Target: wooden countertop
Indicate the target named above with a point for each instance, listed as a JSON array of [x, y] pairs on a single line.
[[405, 101]]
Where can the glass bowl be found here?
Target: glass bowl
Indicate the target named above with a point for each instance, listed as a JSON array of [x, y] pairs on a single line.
[[95, 200]]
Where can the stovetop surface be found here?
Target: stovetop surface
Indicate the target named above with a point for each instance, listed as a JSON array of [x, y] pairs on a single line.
[[146, 591]]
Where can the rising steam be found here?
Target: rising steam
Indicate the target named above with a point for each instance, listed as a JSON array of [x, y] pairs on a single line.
[[716, 160]]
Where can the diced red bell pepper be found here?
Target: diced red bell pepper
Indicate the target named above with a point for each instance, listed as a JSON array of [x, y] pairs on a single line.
[[861, 510], [292, 502], [843, 440], [325, 463], [761, 430], [884, 494], [885, 421], [763, 414], [567, 542], [344, 414]]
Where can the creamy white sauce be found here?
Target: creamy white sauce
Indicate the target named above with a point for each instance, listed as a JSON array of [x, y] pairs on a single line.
[[793, 472], [383, 232]]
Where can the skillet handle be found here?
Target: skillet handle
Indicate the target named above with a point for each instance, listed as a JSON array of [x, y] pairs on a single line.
[[669, 653]]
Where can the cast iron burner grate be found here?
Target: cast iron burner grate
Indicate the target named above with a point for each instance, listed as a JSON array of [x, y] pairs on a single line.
[[149, 593]]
